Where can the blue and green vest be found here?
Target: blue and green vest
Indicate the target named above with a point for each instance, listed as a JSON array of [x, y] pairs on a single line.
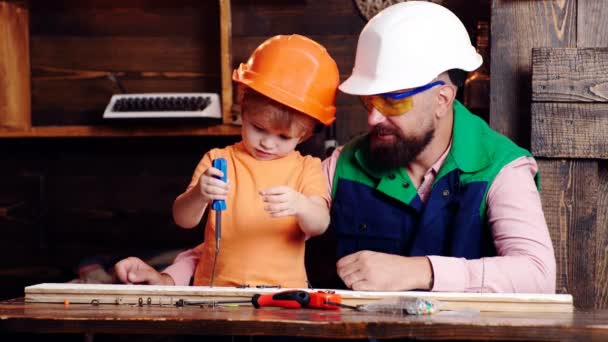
[[381, 211]]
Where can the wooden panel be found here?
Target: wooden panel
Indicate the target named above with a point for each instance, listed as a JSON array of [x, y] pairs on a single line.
[[570, 75], [74, 56], [271, 17], [513, 37], [116, 18], [569, 195], [570, 130], [601, 239], [592, 29], [14, 66]]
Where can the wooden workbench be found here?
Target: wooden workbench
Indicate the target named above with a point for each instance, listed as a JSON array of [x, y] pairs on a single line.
[[17, 316]]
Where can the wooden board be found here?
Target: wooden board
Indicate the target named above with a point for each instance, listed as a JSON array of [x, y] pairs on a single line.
[[570, 75], [168, 295], [571, 130]]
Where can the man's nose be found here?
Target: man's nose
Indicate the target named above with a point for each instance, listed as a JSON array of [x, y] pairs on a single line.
[[374, 117]]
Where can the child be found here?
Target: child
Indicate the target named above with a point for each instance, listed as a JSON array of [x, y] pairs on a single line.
[[275, 197]]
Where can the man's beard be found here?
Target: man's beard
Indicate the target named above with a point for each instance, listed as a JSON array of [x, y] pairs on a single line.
[[386, 156]]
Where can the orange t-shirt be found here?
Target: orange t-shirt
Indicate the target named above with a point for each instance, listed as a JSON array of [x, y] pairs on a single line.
[[255, 248]]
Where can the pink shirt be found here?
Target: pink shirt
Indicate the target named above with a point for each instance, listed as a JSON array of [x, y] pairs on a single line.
[[525, 261]]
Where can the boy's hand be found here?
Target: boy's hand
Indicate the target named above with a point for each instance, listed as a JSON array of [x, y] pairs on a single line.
[[212, 188], [133, 270], [283, 201]]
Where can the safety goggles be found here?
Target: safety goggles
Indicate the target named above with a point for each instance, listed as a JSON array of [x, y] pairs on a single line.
[[393, 104]]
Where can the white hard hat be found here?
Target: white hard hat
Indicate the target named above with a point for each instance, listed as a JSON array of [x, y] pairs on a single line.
[[407, 45]]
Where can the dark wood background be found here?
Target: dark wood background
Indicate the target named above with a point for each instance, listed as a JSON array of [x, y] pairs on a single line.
[[67, 200], [554, 102]]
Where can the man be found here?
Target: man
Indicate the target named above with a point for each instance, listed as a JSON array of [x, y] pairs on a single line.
[[431, 198]]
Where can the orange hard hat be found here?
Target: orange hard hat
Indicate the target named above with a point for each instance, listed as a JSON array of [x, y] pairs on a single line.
[[295, 71]]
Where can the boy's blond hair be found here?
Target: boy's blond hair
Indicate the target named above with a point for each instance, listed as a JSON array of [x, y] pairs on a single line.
[[275, 114]]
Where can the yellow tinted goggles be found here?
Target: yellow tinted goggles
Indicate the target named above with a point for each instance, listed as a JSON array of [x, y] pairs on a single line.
[[393, 104]]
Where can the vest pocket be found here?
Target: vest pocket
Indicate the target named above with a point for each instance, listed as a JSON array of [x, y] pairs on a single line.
[[358, 229]]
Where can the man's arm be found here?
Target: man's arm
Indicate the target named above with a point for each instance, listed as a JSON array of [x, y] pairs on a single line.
[[182, 269], [525, 261]]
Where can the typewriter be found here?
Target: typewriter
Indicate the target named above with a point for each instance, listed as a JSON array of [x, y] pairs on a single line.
[[163, 106]]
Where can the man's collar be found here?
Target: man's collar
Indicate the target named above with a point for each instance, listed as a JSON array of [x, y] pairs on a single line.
[[467, 143]]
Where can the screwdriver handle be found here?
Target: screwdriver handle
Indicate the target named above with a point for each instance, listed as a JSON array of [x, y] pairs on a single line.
[[320, 300], [287, 299], [220, 164], [296, 299]]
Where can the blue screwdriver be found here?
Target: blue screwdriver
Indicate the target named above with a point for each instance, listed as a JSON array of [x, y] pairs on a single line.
[[218, 206]]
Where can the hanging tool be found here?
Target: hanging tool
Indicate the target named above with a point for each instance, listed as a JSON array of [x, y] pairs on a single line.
[[218, 206], [293, 299]]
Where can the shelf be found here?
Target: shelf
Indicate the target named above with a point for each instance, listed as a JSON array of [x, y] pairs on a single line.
[[118, 131], [15, 87]]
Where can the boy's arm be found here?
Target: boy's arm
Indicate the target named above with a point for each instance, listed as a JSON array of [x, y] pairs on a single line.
[[189, 207], [313, 217]]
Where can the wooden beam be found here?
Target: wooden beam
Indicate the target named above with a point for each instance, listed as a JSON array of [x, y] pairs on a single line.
[[15, 95], [226, 59], [570, 130]]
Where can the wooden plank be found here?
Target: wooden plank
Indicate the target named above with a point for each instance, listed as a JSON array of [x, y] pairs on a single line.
[[570, 75], [14, 66], [569, 195], [116, 131], [168, 295], [592, 28], [571, 130], [102, 18], [601, 239], [72, 54], [269, 18], [513, 37]]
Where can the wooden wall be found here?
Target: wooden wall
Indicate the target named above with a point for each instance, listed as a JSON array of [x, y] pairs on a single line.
[[567, 132]]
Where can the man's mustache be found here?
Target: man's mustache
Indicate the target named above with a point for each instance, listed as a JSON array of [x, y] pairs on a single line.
[[378, 130]]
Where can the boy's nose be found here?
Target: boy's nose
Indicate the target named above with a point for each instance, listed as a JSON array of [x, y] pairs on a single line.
[[266, 142]]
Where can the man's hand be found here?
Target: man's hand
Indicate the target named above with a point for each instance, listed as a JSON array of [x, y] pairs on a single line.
[[283, 201], [373, 271], [133, 270]]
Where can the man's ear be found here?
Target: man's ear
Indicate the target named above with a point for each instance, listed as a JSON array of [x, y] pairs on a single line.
[[445, 97]]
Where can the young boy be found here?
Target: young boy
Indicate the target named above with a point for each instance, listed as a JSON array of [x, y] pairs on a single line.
[[275, 197]]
